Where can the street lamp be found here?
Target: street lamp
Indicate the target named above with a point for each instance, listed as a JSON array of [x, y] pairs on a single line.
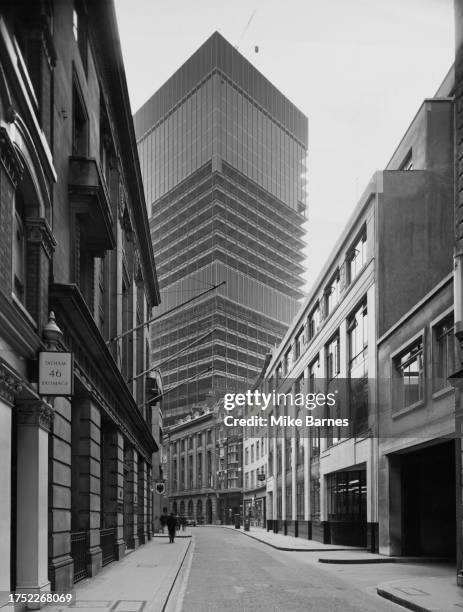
[[52, 334]]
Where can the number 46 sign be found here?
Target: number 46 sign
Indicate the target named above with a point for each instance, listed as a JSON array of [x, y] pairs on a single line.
[[55, 373]]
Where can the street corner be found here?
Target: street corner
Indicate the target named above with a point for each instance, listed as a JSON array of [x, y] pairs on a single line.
[[423, 595]]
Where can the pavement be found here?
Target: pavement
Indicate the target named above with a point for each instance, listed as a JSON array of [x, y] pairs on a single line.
[[289, 543], [142, 581]]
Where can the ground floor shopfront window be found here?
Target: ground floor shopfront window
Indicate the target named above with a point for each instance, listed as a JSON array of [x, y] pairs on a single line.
[[347, 507], [347, 496]]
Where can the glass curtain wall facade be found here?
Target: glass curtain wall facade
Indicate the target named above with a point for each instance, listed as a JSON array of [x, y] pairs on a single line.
[[223, 157]]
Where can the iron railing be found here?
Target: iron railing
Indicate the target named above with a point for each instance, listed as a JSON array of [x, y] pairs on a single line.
[[79, 548], [108, 545]]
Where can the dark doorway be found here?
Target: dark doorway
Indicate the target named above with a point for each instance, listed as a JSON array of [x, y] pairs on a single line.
[[428, 501], [208, 512]]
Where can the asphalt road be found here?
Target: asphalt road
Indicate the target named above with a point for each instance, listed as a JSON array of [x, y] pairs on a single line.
[[231, 572]]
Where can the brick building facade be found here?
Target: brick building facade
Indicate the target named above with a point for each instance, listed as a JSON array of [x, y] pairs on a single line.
[[74, 238]]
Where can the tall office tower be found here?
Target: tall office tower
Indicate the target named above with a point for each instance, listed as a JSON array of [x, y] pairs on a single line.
[[223, 157]]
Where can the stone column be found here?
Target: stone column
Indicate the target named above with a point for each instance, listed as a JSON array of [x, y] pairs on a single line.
[[113, 486], [34, 419], [6, 403], [142, 501], [149, 501], [60, 563], [86, 472], [195, 462], [131, 496]]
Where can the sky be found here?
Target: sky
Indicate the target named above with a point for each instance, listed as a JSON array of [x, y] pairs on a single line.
[[359, 69]]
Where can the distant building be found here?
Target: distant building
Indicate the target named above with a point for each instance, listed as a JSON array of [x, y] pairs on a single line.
[[230, 468], [190, 446], [255, 459], [74, 239], [223, 157]]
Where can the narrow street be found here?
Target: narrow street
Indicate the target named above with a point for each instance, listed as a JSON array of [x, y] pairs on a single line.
[[232, 572]]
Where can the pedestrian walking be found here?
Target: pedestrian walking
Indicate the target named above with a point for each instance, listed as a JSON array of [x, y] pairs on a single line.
[[171, 525], [163, 519]]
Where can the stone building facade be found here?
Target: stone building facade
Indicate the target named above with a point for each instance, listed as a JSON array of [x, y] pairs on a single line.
[[378, 324], [74, 239], [192, 466]]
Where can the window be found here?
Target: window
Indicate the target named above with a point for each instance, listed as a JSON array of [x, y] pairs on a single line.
[[199, 469], [357, 340], [182, 473], [313, 369], [357, 256], [288, 455], [289, 500], [252, 453], [347, 496], [19, 250], [190, 472], [106, 147], [315, 499], [298, 345], [257, 450], [270, 463], [300, 501], [101, 295], [298, 384], [332, 372], [299, 446], [407, 163], [79, 29], [174, 475], [313, 322], [444, 353], [314, 443], [278, 374], [79, 125], [287, 362], [332, 358], [190, 443], [246, 456], [357, 336], [209, 469], [409, 376], [332, 291]]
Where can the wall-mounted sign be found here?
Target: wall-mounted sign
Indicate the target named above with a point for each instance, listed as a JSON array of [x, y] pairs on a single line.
[[56, 373], [160, 488]]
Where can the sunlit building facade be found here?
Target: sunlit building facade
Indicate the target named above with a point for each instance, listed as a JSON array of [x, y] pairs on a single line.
[[223, 157]]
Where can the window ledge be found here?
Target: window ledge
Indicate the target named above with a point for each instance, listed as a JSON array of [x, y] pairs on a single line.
[[24, 311], [403, 411], [443, 392]]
